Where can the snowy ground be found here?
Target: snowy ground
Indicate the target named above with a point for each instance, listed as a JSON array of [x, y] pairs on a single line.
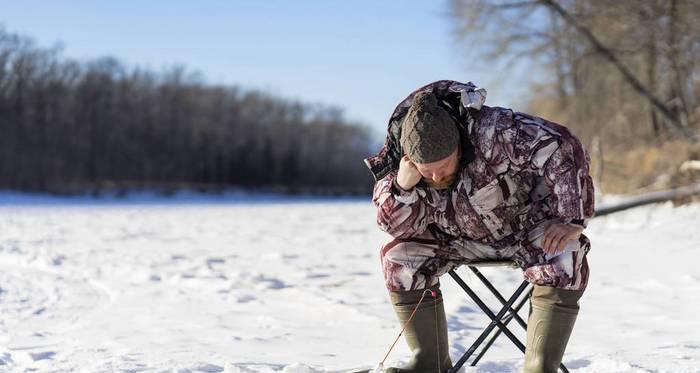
[[273, 286]]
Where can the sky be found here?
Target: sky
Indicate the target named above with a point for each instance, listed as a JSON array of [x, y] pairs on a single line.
[[361, 56]]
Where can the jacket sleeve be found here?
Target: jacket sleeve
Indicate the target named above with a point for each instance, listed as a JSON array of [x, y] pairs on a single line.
[[400, 213], [564, 166]]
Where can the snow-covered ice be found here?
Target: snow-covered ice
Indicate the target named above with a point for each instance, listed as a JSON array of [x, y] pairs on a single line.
[[281, 286]]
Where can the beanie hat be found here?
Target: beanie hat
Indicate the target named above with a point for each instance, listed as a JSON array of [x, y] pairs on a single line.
[[428, 132]]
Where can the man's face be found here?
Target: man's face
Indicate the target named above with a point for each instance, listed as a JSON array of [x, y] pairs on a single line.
[[439, 174]]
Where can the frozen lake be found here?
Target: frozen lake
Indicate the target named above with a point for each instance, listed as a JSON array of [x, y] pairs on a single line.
[[295, 287]]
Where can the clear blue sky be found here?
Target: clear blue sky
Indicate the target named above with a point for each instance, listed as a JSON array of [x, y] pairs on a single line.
[[362, 56]]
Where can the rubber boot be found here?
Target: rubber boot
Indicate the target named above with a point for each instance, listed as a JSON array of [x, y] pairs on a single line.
[[426, 334], [552, 316]]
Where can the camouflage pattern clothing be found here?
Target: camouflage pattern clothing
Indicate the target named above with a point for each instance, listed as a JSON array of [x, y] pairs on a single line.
[[518, 173]]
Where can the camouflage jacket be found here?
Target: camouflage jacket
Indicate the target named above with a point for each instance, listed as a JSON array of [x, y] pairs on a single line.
[[516, 171]]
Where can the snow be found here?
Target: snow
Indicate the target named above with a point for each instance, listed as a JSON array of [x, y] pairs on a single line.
[[225, 284]]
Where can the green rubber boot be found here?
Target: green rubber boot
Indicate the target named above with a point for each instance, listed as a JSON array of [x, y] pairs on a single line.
[[552, 316], [426, 334]]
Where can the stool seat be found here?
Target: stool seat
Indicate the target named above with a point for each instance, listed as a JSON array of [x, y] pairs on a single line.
[[492, 263]]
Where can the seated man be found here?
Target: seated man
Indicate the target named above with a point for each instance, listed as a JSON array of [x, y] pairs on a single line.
[[458, 181]]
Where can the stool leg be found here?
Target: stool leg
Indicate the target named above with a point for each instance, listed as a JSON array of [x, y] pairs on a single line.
[[507, 319], [495, 319], [498, 295]]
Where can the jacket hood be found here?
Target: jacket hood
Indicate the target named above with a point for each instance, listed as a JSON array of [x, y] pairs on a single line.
[[461, 100]]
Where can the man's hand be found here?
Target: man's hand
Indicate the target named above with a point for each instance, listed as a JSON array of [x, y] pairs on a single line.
[[408, 175], [558, 235]]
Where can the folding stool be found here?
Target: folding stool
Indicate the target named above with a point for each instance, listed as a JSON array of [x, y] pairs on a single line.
[[499, 320]]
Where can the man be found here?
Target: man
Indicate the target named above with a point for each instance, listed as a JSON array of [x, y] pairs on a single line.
[[458, 181]]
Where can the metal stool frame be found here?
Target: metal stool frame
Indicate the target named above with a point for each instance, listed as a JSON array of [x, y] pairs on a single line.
[[508, 312]]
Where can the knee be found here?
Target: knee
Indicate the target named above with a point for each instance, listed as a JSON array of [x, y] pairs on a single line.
[[391, 267], [396, 251], [558, 276], [408, 265], [568, 270]]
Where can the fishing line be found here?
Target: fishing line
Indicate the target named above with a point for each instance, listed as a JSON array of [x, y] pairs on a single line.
[[380, 367]]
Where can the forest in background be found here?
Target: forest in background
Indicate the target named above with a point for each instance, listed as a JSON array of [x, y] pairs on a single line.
[[72, 127], [624, 75]]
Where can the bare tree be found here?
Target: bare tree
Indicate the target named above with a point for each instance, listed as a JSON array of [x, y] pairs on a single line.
[[623, 72]]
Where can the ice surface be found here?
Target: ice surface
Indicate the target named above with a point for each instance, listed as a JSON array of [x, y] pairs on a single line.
[[280, 286]]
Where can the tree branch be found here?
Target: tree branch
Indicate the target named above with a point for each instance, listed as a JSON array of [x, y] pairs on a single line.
[[516, 4], [629, 77]]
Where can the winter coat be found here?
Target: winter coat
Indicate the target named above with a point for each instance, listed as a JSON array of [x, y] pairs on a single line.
[[516, 171]]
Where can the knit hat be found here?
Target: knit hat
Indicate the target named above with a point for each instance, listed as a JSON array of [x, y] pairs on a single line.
[[428, 132]]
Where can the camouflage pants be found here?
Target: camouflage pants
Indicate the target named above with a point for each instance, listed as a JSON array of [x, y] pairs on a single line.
[[418, 262]]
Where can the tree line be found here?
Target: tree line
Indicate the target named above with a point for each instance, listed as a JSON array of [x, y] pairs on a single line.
[[624, 74], [74, 127]]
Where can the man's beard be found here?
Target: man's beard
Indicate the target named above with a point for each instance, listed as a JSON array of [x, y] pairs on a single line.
[[444, 184]]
